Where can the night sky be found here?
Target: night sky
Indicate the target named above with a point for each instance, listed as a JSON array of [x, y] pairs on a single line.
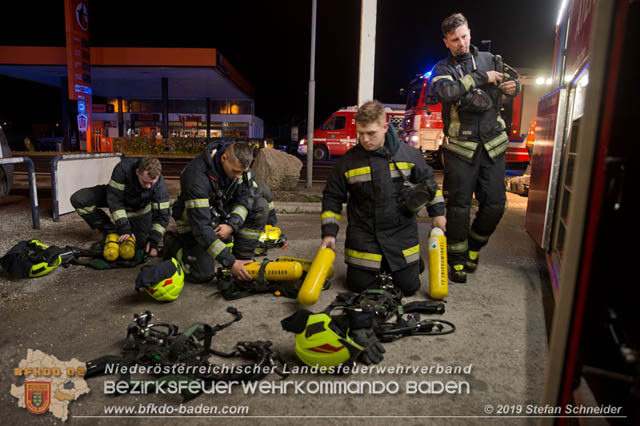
[[268, 43]]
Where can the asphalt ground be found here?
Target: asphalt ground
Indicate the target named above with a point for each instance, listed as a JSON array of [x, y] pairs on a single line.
[[81, 313]]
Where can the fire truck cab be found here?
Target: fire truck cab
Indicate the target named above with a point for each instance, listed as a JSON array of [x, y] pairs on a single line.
[[338, 134], [422, 126]]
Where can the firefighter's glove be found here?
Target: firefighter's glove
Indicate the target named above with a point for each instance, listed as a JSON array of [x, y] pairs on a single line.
[[419, 196], [476, 100], [361, 331]]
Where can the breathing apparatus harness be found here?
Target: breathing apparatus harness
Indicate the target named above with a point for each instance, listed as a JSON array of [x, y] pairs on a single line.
[[232, 289], [161, 344], [384, 301]]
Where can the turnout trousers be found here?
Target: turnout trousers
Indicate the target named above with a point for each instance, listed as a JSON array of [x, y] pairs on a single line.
[[485, 178], [89, 203], [406, 279], [198, 264]]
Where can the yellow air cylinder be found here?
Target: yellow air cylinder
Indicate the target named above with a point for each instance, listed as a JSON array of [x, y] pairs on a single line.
[[276, 271], [306, 263], [111, 248], [128, 248], [438, 272], [316, 277]]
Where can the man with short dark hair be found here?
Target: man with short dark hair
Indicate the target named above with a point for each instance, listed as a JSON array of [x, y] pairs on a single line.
[[374, 178], [470, 90], [137, 198], [218, 198]]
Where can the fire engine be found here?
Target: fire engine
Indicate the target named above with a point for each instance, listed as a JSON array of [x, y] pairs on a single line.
[[422, 126], [338, 134], [580, 210]]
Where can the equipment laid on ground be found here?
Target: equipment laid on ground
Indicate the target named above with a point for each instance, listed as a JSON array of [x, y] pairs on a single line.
[[316, 277], [438, 267], [163, 281], [111, 249], [282, 277], [354, 325], [271, 237], [32, 258], [128, 248], [385, 303], [232, 289], [162, 346], [320, 341]]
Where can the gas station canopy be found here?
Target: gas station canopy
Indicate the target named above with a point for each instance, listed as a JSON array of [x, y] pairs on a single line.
[[134, 73]]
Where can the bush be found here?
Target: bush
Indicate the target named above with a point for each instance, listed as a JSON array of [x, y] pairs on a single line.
[[136, 145]]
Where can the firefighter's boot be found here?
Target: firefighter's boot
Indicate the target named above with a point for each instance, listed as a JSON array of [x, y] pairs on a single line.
[[472, 261], [457, 273]]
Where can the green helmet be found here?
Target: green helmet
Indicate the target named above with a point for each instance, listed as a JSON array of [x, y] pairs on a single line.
[[322, 344], [163, 281]]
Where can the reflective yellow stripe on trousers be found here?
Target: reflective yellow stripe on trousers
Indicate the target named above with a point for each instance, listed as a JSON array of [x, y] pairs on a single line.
[[368, 260]]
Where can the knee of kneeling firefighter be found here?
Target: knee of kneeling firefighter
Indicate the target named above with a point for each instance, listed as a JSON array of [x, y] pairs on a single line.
[[260, 212]]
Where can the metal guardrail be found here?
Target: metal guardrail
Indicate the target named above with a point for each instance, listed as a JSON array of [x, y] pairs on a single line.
[[55, 207], [33, 190]]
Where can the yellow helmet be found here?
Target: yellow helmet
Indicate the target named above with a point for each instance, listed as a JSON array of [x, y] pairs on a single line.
[[321, 343], [163, 281]]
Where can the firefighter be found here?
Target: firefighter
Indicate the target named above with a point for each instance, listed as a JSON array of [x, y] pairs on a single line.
[[137, 198], [218, 198], [382, 234], [470, 90]]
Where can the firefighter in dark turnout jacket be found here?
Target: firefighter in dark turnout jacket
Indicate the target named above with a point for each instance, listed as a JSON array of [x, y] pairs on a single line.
[[382, 234], [137, 198], [218, 198], [470, 90]]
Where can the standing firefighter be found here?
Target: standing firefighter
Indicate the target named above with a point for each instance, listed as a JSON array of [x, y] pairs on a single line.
[[137, 198], [470, 90], [218, 198], [382, 233]]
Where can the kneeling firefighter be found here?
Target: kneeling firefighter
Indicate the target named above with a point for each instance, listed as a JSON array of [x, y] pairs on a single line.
[[138, 200], [218, 199], [375, 178]]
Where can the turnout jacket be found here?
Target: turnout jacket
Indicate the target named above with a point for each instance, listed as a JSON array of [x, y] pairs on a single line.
[[378, 223], [208, 198], [451, 80], [127, 199]]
